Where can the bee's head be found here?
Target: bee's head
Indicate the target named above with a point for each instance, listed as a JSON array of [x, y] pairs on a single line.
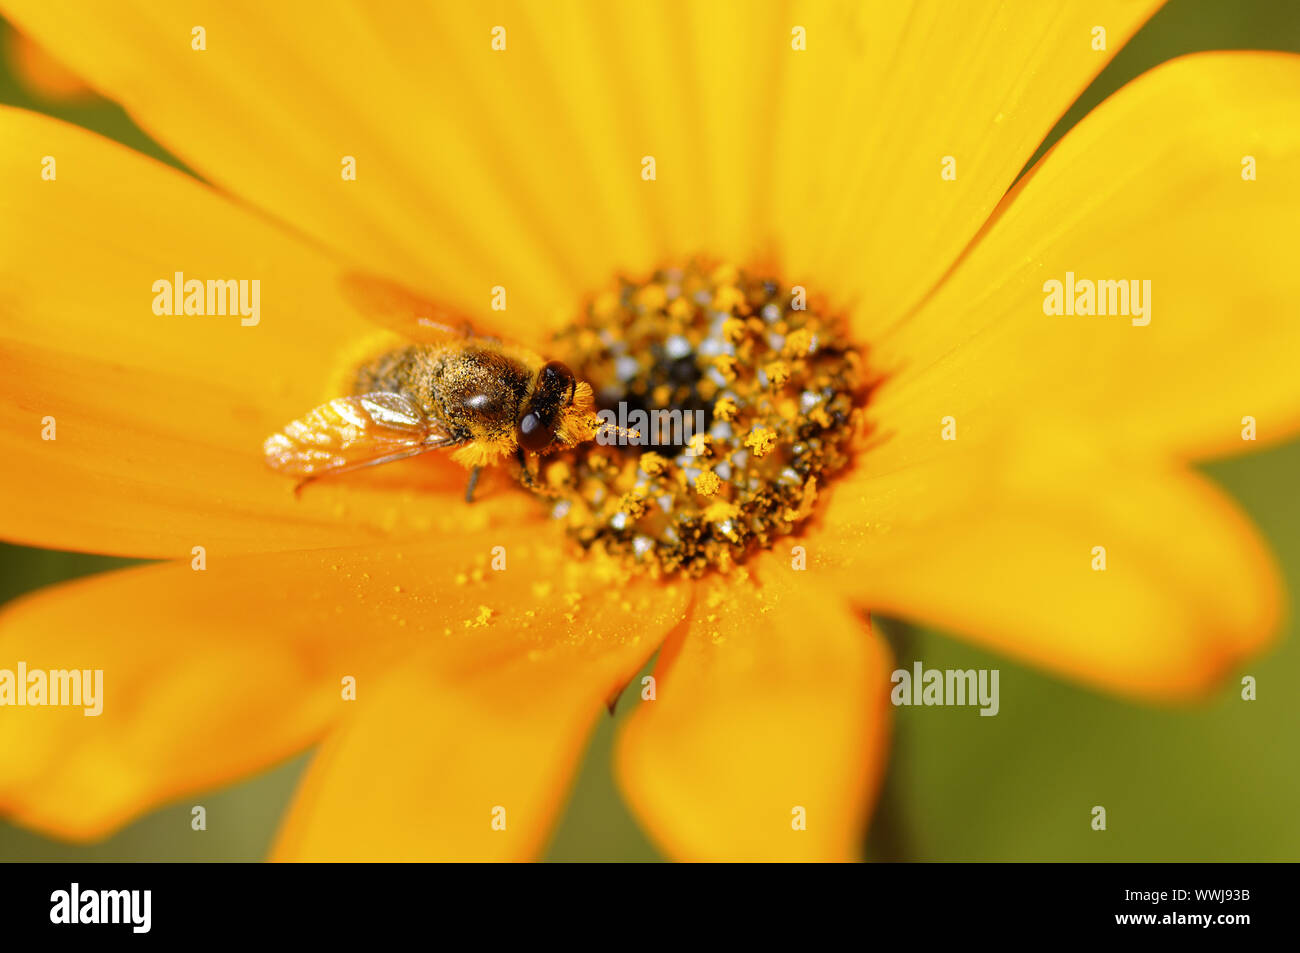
[[559, 408]]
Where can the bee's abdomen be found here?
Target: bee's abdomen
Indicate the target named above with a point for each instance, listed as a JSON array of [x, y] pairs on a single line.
[[406, 371]]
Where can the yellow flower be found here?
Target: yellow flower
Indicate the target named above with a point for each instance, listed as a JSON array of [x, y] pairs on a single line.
[[865, 151]]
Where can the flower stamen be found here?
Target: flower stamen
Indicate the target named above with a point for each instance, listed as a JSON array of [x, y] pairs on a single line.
[[779, 388]]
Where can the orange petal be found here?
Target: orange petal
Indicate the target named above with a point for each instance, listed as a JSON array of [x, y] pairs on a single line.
[[159, 420], [1006, 556], [197, 691], [469, 170], [771, 709], [1146, 188], [466, 754], [865, 122], [522, 167], [209, 675]]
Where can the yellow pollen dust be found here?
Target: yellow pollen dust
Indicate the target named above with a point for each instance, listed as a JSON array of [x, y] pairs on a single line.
[[653, 464], [761, 441], [481, 620], [708, 483], [725, 409], [797, 343], [726, 366], [700, 445], [778, 372], [632, 504]]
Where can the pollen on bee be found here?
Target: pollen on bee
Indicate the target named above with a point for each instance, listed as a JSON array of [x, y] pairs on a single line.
[[781, 390]]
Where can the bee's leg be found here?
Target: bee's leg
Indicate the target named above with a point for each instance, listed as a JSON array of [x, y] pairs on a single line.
[[529, 480], [525, 477], [473, 482]]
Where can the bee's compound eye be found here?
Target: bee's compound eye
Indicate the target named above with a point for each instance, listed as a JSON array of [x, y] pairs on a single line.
[[557, 379], [534, 435]]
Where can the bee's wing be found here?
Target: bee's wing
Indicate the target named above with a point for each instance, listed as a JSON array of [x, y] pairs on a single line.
[[402, 310], [351, 432]]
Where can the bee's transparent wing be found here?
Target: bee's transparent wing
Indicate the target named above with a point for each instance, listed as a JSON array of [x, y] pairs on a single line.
[[352, 432], [390, 304]]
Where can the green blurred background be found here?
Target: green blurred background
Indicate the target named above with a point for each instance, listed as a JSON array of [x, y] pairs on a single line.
[[1220, 781]]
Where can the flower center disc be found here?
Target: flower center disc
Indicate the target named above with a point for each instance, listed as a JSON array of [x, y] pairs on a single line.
[[744, 395]]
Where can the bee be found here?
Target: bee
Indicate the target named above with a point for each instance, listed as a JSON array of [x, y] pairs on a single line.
[[481, 399]]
